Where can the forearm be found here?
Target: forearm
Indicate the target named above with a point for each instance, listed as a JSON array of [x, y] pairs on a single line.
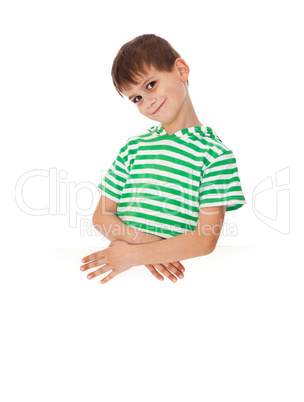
[[111, 227], [177, 248]]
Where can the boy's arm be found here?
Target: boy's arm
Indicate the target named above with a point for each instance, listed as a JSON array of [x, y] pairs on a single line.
[[107, 223], [198, 242], [122, 256], [111, 227]]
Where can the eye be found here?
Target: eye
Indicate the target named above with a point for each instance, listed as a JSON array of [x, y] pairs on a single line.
[[151, 83], [149, 86]]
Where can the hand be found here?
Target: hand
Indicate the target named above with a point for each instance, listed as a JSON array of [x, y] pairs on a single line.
[[116, 258], [176, 267]]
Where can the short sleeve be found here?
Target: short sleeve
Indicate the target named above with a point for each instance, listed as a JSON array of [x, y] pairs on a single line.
[[113, 181], [220, 183]]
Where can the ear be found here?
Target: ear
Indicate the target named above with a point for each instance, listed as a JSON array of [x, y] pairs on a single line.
[[182, 68]]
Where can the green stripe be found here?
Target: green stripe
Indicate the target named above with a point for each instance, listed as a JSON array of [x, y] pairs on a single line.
[[202, 140], [220, 172], [108, 191], [221, 190], [169, 159], [224, 162], [161, 189], [136, 198], [220, 199], [222, 181], [157, 148], [187, 156], [154, 229], [234, 207], [118, 168], [154, 219], [111, 183], [161, 178], [142, 205], [169, 169]]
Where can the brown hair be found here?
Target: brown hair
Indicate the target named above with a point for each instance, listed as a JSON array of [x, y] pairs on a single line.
[[135, 56]]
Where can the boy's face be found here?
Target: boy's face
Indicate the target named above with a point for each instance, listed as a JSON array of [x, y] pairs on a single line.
[[160, 95]]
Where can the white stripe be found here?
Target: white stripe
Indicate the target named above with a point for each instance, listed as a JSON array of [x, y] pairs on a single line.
[[113, 189], [153, 223], [226, 186], [184, 181], [169, 144], [177, 157], [109, 195], [161, 205], [115, 180], [169, 163], [151, 212], [161, 192], [210, 152], [222, 167], [221, 195], [118, 172], [161, 185], [220, 203], [227, 176]]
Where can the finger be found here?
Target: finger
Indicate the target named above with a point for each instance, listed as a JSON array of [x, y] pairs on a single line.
[[94, 256], [179, 266], [166, 272], [170, 267], [93, 264], [99, 271], [154, 272], [108, 278]]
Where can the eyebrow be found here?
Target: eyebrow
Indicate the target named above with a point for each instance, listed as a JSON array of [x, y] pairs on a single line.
[[142, 85]]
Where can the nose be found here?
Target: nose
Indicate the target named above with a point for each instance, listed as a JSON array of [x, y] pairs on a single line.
[[152, 101]]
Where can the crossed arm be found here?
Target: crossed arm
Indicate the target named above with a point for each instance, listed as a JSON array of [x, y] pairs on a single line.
[[131, 247]]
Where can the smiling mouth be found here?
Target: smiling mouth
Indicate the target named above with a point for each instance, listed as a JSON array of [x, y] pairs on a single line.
[[158, 109]]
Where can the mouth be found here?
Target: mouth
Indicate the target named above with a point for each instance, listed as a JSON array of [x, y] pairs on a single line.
[[159, 108]]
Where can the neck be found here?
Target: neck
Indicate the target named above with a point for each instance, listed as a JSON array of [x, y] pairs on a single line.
[[186, 118]]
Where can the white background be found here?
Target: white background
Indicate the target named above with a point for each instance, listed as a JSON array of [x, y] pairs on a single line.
[[233, 327]]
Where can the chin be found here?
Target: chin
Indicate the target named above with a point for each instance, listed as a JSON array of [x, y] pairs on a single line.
[[150, 117], [165, 122]]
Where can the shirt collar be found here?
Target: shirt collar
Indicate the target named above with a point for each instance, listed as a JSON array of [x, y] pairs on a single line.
[[198, 131]]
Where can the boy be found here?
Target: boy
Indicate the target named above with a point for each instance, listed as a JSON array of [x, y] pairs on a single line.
[[165, 196]]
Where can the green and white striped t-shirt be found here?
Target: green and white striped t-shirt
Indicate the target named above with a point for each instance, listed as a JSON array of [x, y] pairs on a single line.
[[160, 181]]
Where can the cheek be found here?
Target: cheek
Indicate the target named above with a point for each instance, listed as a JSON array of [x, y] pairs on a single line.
[[141, 109], [179, 94]]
